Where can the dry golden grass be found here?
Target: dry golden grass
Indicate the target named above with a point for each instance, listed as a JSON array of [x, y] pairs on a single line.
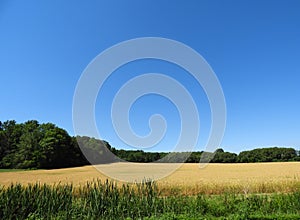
[[189, 179]]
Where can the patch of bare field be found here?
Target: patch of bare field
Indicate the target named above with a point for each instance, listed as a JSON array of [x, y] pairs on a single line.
[[189, 179]]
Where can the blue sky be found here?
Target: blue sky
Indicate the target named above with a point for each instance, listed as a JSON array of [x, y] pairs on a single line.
[[252, 46]]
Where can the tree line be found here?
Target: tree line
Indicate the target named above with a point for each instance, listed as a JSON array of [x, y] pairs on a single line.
[[31, 145]]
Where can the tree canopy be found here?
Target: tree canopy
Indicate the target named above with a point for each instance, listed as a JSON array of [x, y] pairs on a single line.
[[32, 145]]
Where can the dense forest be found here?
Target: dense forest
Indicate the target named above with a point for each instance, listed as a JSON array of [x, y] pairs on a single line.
[[32, 145]]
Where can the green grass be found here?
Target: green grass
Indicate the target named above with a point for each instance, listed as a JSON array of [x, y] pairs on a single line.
[[106, 200], [10, 170]]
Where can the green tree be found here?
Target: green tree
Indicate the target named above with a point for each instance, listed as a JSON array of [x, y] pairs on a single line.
[[56, 148], [10, 137], [27, 149]]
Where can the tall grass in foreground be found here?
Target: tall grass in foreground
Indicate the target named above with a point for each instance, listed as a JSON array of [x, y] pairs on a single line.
[[107, 200]]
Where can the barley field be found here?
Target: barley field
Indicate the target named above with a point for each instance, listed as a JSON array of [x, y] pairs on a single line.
[[189, 179], [217, 191]]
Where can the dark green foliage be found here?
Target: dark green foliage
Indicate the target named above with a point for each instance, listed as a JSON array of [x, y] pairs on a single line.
[[97, 151], [10, 134], [57, 149], [31, 145], [273, 154], [106, 200], [224, 157]]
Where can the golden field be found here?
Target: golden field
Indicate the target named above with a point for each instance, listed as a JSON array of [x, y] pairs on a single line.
[[189, 179]]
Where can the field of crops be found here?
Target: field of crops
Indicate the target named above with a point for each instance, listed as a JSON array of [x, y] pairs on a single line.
[[188, 180], [218, 191]]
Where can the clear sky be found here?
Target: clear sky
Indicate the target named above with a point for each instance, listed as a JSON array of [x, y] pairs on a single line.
[[252, 46]]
